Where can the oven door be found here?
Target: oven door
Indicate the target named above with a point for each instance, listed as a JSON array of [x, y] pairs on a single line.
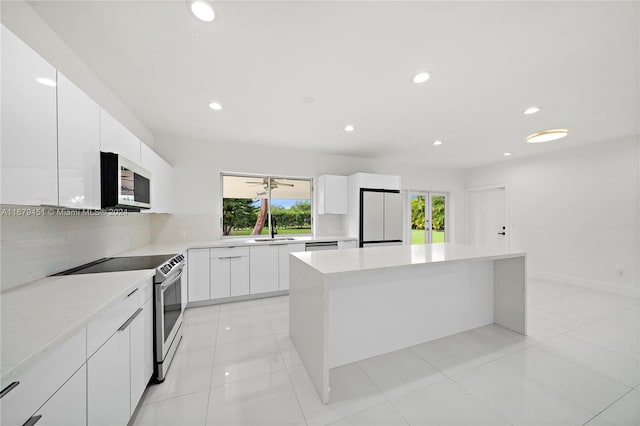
[[168, 313]]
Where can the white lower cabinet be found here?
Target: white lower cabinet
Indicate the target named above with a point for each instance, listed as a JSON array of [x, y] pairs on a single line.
[[68, 406], [199, 275], [263, 269], [108, 377], [229, 272], [283, 263], [347, 244], [138, 361]]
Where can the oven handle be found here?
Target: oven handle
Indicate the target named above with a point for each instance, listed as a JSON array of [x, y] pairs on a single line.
[[175, 278]]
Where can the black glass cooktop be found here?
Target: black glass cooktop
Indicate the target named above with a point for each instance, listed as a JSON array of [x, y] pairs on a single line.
[[114, 264]]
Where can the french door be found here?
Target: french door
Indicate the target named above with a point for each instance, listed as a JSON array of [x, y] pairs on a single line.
[[428, 217]]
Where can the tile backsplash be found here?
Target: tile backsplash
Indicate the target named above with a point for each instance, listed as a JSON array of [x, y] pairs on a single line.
[[33, 247]]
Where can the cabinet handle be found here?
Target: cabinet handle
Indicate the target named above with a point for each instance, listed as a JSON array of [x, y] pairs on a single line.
[[32, 421], [230, 257], [130, 320], [9, 388], [132, 292]]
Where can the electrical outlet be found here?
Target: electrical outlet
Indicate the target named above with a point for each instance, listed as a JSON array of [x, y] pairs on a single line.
[[619, 270]]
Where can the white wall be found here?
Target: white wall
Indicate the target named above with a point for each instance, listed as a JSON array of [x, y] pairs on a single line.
[[23, 21], [197, 166], [33, 247], [575, 212]]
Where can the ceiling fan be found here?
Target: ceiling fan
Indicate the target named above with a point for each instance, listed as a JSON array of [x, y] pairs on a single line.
[[265, 183]]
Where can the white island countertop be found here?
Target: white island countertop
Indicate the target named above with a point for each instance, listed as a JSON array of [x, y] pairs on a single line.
[[38, 316], [385, 257]]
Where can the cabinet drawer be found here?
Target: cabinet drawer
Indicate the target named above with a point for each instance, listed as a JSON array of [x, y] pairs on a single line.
[[41, 381], [100, 329], [229, 252]]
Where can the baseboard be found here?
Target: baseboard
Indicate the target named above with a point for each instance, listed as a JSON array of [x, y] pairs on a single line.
[[237, 298], [588, 284]]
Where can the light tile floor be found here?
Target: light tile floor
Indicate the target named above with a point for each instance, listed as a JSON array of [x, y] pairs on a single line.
[[580, 365]]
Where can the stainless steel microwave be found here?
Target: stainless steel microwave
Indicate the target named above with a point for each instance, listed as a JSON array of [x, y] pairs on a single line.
[[124, 184]]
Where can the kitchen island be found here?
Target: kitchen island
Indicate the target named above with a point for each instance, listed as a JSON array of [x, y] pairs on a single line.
[[353, 304]]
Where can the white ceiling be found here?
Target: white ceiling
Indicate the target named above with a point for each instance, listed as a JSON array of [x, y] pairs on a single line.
[[489, 61]]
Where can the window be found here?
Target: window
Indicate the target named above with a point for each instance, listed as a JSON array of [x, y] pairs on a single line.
[[265, 205]]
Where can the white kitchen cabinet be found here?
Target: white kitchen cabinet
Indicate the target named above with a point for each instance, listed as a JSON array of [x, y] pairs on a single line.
[[149, 360], [29, 140], [161, 180], [68, 406], [283, 263], [199, 275], [332, 194], [347, 244], [229, 272], [239, 275], [263, 269], [184, 282], [78, 147], [220, 278], [138, 359], [114, 137], [108, 381]]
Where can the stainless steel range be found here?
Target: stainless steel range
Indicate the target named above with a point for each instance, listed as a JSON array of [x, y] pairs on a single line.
[[168, 306]]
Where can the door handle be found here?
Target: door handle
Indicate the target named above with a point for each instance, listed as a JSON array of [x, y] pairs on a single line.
[[502, 233]]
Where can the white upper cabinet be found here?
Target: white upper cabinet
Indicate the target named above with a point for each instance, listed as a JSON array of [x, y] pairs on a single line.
[[161, 180], [332, 194], [29, 145], [114, 137], [78, 147]]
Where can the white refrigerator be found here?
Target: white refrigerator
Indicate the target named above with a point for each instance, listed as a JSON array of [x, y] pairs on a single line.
[[381, 217]]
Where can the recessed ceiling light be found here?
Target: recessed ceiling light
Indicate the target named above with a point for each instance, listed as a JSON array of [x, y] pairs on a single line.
[[437, 143], [46, 81], [215, 106], [547, 135], [506, 154], [531, 110], [421, 77], [203, 10], [349, 128]]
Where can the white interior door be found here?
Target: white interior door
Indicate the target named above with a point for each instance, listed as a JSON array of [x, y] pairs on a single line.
[[486, 217]]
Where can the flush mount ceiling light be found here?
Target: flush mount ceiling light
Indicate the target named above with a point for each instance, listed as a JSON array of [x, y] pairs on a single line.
[[46, 81], [215, 106], [436, 143], [349, 128], [531, 110], [202, 9], [421, 77], [547, 135]]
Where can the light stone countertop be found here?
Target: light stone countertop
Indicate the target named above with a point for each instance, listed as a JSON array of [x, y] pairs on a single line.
[[39, 316], [180, 247], [371, 258]]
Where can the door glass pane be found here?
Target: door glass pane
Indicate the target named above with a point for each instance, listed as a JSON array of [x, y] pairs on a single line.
[[438, 219], [245, 205], [291, 206], [417, 219]]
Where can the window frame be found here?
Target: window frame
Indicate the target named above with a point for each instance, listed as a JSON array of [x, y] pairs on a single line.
[[269, 177]]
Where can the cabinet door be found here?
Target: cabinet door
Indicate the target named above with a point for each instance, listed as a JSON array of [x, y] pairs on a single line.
[[263, 268], [161, 180], [332, 194], [283, 262], [68, 406], [108, 394], [78, 147], [149, 360], [239, 275], [199, 279], [220, 277], [347, 244], [114, 137], [29, 140], [138, 362]]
